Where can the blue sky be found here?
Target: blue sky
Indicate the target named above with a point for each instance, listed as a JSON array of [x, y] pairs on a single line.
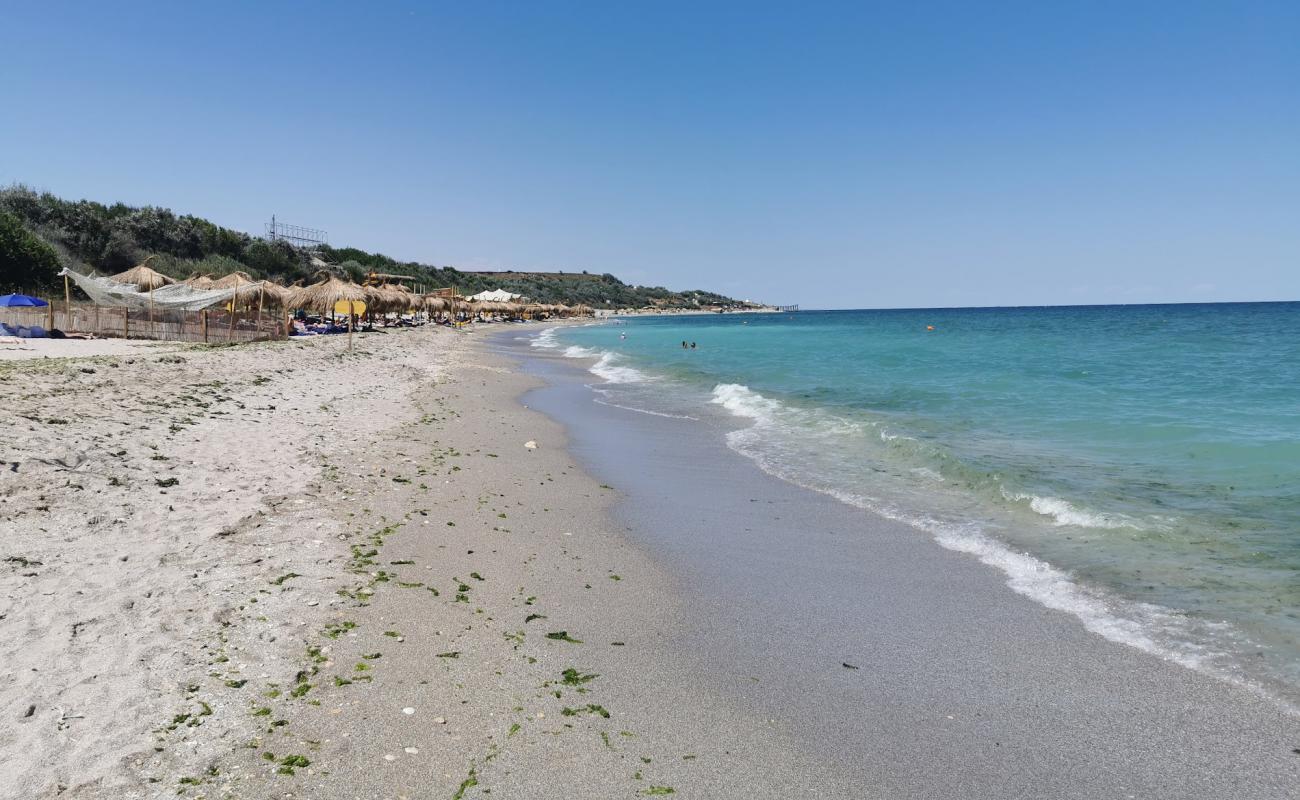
[[833, 155]]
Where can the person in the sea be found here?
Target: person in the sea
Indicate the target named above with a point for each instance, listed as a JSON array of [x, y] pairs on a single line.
[[684, 345], [692, 345]]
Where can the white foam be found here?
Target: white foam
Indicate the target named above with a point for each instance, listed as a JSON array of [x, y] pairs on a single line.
[[1154, 629], [578, 351], [742, 401], [545, 339], [612, 373], [927, 473], [1063, 512], [643, 410]]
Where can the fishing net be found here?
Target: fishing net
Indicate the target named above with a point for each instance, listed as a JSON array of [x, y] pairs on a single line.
[[176, 296]]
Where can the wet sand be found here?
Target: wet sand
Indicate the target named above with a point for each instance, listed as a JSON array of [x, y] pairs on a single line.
[[914, 670]]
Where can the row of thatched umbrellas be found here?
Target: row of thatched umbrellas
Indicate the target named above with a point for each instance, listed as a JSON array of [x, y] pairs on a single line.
[[324, 296]]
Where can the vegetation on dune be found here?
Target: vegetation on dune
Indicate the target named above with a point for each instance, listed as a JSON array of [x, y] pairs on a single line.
[[40, 233]]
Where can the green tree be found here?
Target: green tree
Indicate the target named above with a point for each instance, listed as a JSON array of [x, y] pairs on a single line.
[[26, 262]]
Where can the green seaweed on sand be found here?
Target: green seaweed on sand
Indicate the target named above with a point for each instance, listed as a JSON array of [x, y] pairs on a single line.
[[562, 636], [470, 781], [590, 708], [288, 763], [449, 654], [286, 576], [572, 677], [659, 790], [262, 711], [334, 630], [515, 728], [393, 634], [532, 617]]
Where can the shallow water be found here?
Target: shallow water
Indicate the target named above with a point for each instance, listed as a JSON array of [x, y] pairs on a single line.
[[1138, 466]]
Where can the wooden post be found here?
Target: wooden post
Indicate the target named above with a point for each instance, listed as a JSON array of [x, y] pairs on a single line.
[[50, 318], [205, 326], [234, 304], [349, 324], [67, 297], [126, 322]]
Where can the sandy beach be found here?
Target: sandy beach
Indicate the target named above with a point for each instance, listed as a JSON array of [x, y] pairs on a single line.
[[287, 570], [290, 570]]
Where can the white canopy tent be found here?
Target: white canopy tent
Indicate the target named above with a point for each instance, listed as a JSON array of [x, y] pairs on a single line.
[[496, 296]]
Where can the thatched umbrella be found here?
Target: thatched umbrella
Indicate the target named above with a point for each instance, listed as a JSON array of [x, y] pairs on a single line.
[[324, 296], [145, 278], [414, 302], [264, 293], [199, 281], [376, 298], [233, 281]]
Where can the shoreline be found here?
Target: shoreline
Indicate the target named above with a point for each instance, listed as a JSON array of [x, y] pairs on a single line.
[[1012, 650], [364, 582], [780, 436]]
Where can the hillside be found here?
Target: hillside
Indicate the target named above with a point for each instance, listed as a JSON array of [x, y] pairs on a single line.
[[40, 233]]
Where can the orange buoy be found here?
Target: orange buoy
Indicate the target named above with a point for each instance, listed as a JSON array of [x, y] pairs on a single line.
[[929, 327]]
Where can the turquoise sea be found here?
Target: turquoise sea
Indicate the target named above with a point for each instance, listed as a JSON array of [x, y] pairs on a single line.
[[1136, 466]]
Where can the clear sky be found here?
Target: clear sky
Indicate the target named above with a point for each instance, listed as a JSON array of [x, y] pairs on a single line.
[[827, 154]]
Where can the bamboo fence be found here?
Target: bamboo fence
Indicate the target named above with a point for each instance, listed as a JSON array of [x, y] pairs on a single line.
[[215, 325]]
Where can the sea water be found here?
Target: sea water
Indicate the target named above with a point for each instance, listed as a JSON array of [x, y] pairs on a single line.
[[1136, 466]]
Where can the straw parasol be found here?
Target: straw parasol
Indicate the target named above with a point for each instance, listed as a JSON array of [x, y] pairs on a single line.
[[325, 295], [199, 281], [144, 277], [233, 280]]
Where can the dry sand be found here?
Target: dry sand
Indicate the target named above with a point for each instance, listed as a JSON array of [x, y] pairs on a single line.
[[284, 570], [13, 348]]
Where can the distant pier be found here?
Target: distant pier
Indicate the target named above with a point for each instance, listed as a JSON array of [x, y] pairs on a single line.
[[787, 308]]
